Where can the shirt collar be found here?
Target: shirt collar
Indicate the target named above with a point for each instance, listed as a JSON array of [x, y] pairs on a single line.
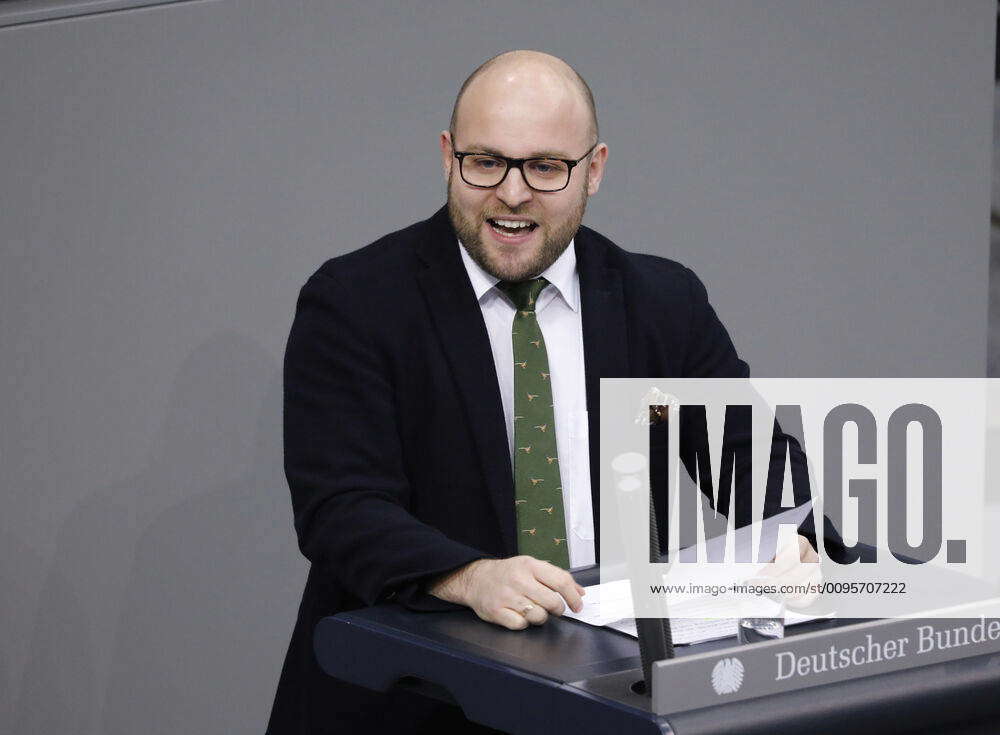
[[561, 274]]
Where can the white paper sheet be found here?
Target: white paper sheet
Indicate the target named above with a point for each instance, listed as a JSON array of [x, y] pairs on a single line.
[[610, 604]]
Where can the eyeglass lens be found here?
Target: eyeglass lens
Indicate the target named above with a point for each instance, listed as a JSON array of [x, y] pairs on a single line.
[[540, 173]]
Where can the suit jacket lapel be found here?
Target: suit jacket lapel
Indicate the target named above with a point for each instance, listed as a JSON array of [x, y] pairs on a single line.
[[459, 322], [605, 343], [466, 344]]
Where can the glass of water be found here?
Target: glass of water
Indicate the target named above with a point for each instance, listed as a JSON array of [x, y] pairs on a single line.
[[762, 612]]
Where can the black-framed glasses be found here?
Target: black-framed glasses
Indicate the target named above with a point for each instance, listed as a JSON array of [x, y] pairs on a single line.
[[485, 170]]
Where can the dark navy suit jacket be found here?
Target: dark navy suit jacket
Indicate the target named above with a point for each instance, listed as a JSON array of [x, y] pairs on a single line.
[[395, 444]]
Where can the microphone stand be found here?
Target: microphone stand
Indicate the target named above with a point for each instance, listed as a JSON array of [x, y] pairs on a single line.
[[655, 638], [656, 641]]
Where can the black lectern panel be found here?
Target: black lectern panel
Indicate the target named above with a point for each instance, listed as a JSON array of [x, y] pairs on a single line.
[[517, 681], [569, 677]]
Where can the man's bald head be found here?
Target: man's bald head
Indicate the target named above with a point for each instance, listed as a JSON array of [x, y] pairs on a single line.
[[537, 65], [530, 107]]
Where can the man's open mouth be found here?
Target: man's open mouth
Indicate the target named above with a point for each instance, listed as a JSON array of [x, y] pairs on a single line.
[[511, 226]]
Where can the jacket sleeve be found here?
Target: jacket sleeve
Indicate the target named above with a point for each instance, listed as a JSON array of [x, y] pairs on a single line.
[[344, 459], [712, 355], [710, 352]]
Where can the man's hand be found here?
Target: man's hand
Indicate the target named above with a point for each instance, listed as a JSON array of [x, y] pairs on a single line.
[[796, 564], [510, 592]]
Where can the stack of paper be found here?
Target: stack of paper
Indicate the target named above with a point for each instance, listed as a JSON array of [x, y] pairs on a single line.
[[610, 605]]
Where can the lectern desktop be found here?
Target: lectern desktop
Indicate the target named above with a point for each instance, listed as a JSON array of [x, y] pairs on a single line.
[[569, 677]]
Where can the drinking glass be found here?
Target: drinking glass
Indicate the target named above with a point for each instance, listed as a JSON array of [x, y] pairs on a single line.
[[762, 616]]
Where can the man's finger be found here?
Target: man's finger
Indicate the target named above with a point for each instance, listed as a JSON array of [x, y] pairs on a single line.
[[807, 554], [796, 574], [545, 598], [560, 580], [786, 560], [508, 618], [536, 615], [790, 559]]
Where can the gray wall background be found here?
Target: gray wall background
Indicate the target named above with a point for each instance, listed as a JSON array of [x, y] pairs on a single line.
[[171, 175]]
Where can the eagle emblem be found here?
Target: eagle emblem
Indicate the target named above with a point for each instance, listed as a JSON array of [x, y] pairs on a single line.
[[727, 675]]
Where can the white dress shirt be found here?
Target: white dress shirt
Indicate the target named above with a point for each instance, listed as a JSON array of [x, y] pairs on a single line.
[[558, 312]]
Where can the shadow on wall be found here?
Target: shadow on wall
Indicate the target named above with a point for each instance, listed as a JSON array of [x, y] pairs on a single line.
[[993, 316], [993, 319], [169, 602]]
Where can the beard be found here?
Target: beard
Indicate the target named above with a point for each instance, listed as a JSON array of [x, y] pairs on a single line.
[[554, 238]]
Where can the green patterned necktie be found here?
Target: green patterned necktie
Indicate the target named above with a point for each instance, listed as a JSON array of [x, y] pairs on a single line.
[[541, 526]]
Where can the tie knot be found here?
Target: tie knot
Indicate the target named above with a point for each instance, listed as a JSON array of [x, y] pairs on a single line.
[[524, 294]]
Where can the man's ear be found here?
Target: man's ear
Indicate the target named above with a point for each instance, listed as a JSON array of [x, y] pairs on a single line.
[[446, 153], [595, 169]]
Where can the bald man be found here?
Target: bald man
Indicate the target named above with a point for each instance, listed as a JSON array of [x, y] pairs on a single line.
[[442, 386]]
